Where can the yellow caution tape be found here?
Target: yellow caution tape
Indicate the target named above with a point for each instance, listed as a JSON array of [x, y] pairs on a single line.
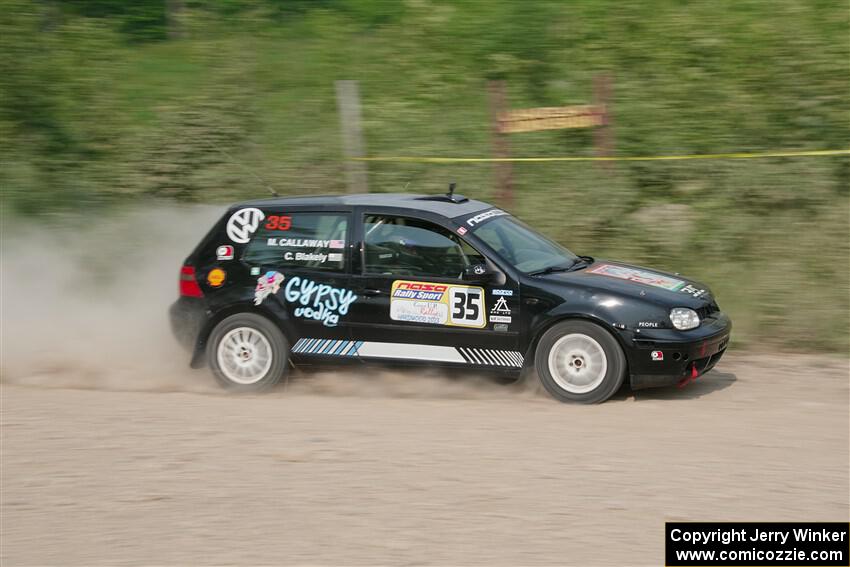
[[611, 158]]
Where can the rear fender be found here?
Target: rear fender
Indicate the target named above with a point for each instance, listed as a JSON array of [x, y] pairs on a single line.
[[277, 314]]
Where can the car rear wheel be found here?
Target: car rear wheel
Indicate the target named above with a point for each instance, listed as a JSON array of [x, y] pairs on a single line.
[[580, 361], [247, 353]]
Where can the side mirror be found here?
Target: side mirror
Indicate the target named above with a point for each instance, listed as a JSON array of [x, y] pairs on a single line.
[[478, 273]]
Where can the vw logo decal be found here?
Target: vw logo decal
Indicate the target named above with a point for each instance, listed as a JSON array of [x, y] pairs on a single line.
[[243, 223]]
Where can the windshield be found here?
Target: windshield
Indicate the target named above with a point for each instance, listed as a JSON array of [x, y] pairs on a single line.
[[526, 250]]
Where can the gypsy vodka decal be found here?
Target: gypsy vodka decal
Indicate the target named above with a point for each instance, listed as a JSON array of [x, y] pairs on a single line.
[[320, 302]]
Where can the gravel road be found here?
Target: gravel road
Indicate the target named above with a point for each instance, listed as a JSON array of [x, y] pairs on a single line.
[[405, 468]]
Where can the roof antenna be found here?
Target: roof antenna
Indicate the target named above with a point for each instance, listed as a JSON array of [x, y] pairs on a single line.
[[451, 193]]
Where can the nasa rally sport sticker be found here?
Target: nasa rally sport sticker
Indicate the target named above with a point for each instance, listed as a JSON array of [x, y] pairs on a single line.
[[437, 304], [243, 223]]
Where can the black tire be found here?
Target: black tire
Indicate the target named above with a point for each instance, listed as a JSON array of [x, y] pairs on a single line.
[[254, 326], [614, 365]]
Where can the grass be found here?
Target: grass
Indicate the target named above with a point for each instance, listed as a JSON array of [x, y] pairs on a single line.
[[770, 236]]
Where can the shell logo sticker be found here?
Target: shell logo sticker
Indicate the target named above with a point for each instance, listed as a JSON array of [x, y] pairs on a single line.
[[216, 277]]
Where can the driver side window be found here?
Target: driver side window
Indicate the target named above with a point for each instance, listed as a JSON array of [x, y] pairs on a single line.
[[403, 246]]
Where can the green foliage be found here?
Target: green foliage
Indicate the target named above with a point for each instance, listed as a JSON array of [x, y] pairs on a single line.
[[97, 106]]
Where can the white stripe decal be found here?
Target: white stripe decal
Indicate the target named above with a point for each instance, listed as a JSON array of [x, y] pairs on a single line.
[[466, 354], [506, 355], [485, 357], [497, 360], [477, 356], [410, 352], [473, 356], [488, 356], [406, 351]]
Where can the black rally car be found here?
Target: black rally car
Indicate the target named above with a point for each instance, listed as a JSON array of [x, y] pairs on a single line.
[[438, 280]]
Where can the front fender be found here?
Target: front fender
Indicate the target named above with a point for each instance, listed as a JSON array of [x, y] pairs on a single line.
[[616, 313], [559, 315]]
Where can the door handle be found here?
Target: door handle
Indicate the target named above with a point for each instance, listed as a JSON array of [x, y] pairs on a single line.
[[372, 292]]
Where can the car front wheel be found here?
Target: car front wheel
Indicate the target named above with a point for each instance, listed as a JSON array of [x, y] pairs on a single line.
[[247, 353], [580, 361]]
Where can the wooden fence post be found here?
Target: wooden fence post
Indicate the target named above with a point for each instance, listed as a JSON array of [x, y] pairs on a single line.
[[603, 136], [501, 148], [348, 104]]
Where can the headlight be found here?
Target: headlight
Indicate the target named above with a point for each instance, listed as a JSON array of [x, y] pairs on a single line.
[[684, 318]]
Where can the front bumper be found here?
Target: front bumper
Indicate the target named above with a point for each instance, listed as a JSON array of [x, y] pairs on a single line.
[[662, 357]]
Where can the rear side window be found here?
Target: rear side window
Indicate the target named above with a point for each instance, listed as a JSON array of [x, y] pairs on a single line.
[[314, 241], [412, 247]]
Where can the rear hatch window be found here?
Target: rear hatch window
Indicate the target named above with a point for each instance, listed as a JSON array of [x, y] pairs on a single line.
[[314, 241]]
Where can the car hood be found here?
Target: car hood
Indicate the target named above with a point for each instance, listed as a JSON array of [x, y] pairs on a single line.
[[659, 287]]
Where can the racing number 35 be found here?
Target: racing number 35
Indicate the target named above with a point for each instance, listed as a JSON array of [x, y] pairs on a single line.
[[279, 222], [467, 306]]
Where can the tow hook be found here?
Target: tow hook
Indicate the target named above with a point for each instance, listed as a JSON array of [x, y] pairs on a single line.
[[688, 379]]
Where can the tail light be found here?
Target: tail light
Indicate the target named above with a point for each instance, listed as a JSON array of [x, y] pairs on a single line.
[[188, 284]]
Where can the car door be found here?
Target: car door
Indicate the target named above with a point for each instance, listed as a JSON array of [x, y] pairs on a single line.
[[301, 261], [415, 303]]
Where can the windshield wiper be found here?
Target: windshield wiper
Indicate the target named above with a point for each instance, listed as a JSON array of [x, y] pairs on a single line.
[[581, 263], [551, 270]]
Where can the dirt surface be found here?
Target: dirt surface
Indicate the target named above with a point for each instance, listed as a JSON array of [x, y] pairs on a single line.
[[405, 468], [114, 453]]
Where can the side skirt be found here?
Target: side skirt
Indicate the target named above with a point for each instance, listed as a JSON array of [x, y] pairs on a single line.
[[406, 351]]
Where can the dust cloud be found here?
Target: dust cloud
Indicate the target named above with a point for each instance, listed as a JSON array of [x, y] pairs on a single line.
[[85, 301], [378, 382], [85, 306]]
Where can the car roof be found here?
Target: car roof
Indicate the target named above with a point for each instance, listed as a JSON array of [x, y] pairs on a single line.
[[439, 204]]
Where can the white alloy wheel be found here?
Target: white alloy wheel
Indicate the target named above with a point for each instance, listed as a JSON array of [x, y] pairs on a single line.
[[577, 363], [244, 355]]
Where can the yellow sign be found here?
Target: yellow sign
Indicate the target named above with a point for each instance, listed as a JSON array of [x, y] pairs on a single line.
[[216, 277], [550, 118]]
